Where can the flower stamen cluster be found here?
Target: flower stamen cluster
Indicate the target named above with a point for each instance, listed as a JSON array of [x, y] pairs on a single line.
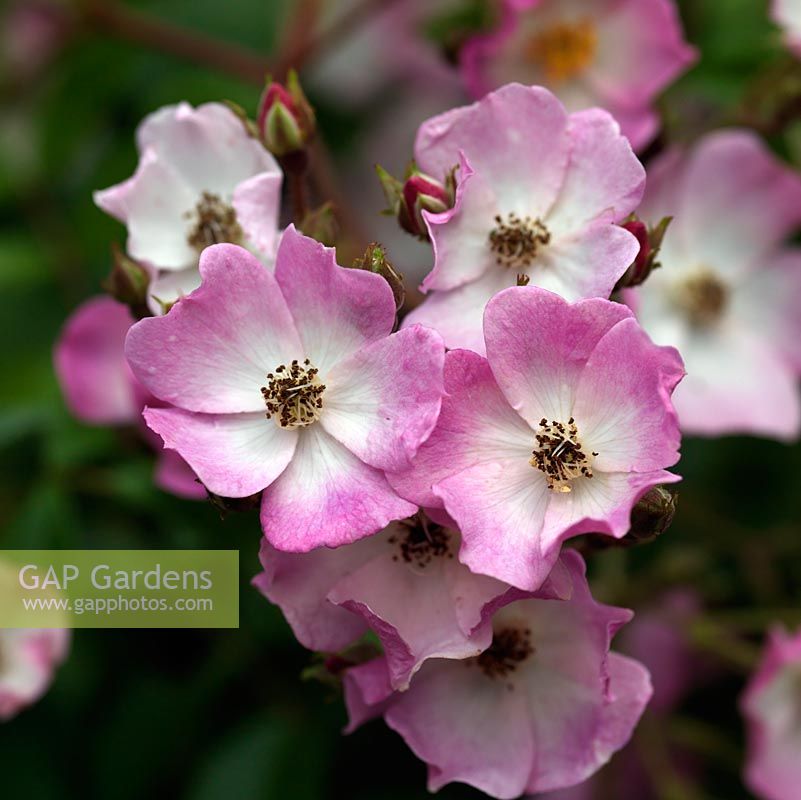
[[510, 647], [517, 240], [212, 222], [422, 543], [559, 454], [564, 50], [703, 297], [294, 395]]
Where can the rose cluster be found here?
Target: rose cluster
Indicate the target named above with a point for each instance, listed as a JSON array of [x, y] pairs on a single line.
[[422, 475]]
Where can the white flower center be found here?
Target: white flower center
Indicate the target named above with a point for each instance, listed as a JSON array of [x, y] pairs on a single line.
[[559, 455], [294, 395], [516, 241], [212, 221]]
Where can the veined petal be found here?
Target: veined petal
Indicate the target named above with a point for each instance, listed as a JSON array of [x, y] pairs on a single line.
[[327, 496], [383, 401], [234, 455], [623, 405], [336, 310], [475, 426], [538, 372], [214, 349]]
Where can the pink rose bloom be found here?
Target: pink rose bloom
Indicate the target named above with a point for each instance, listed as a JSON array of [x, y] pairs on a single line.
[[617, 54], [787, 14], [28, 659], [292, 384], [405, 583], [728, 293], [201, 180], [559, 431], [771, 706], [100, 389], [544, 707], [538, 194]]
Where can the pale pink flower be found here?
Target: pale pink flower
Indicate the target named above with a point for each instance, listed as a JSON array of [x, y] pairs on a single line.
[[728, 292], [617, 54], [100, 389], [559, 431], [544, 707], [787, 14], [28, 659], [201, 180], [291, 383], [405, 583], [771, 706], [538, 194]]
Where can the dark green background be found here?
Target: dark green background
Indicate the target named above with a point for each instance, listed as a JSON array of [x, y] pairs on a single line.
[[206, 715]]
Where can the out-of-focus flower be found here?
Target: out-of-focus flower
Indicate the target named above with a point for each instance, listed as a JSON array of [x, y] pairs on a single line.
[[658, 638], [538, 194], [201, 180], [617, 54], [405, 583], [100, 388], [285, 120], [28, 659], [292, 383], [787, 14], [728, 292], [31, 34], [559, 431], [772, 709], [544, 707]]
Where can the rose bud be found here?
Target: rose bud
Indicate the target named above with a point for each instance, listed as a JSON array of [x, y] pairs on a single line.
[[650, 240], [285, 120], [418, 192]]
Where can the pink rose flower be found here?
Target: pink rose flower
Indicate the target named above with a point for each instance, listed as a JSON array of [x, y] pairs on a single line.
[[100, 389], [292, 384], [617, 54], [28, 659], [544, 707], [201, 180], [405, 583], [771, 706], [728, 293], [787, 14], [559, 431], [538, 194]]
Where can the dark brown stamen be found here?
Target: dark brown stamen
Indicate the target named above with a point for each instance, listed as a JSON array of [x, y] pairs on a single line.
[[510, 647], [559, 454], [516, 241], [703, 297], [213, 222], [421, 542], [294, 395]]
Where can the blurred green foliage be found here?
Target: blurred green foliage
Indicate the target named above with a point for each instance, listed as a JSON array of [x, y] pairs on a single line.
[[207, 715]]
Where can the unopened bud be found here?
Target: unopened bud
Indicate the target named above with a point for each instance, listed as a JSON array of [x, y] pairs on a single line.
[[127, 282], [650, 518], [321, 224], [285, 121], [650, 241], [416, 193], [653, 514], [375, 260]]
